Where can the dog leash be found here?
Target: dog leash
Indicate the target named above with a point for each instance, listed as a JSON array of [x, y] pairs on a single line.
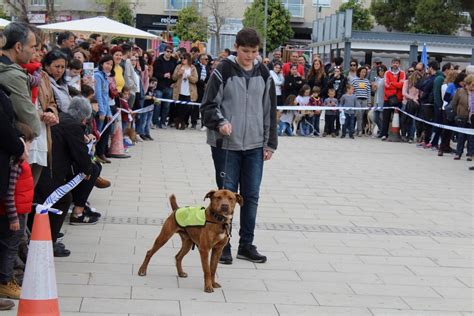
[[223, 173]]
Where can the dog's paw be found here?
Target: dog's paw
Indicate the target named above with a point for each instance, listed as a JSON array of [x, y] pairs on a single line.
[[208, 289], [141, 272], [182, 274], [216, 285]]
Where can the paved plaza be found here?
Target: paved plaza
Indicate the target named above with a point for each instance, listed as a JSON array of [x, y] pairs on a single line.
[[350, 227]]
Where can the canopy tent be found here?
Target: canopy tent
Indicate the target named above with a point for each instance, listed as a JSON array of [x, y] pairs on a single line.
[[100, 25], [3, 23]]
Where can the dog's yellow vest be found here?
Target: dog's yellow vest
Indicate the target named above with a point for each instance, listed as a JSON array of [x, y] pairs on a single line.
[[190, 216]]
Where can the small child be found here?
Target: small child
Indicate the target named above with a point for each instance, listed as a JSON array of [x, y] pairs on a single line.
[[330, 115], [315, 100], [286, 118], [306, 125], [145, 118], [13, 209], [34, 75], [348, 100], [127, 118], [73, 74]]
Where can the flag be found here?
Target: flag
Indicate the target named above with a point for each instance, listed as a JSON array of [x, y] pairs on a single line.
[[424, 56]]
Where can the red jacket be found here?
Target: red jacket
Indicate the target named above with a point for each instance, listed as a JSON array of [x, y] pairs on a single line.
[[24, 191], [31, 67], [394, 84]]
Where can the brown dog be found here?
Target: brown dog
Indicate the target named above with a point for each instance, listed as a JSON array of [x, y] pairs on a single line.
[[214, 235]]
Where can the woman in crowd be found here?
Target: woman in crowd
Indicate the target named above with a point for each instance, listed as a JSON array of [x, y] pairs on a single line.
[[116, 53], [378, 87], [102, 86], [279, 81], [411, 104], [463, 106], [363, 93], [317, 77], [81, 54], [185, 89], [54, 63]]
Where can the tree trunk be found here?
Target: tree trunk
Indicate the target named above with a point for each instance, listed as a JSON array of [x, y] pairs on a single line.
[[471, 13], [218, 43]]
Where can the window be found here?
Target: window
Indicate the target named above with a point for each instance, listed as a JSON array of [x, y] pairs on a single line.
[[181, 4], [322, 3], [38, 2], [296, 7]]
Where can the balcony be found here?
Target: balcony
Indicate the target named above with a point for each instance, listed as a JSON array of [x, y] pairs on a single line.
[[176, 5]]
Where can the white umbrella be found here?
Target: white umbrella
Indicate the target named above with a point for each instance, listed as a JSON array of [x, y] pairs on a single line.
[[3, 23], [100, 25]]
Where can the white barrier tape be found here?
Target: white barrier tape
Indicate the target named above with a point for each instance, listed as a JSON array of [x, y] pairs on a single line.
[[178, 102], [317, 108], [58, 194], [115, 117], [467, 131], [110, 122]]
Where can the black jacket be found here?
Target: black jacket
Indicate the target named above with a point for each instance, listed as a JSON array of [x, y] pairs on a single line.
[[322, 83], [293, 85], [341, 88], [426, 87], [160, 68], [69, 148], [10, 143], [201, 84]]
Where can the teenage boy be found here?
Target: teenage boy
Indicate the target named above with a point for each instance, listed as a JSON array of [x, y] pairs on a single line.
[[242, 132]]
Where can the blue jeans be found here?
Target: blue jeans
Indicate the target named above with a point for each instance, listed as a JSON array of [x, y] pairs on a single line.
[[284, 128], [306, 126], [349, 125], [244, 171], [316, 119], [145, 121], [161, 111]]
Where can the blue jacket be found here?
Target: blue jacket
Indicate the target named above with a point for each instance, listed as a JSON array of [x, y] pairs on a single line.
[[102, 92]]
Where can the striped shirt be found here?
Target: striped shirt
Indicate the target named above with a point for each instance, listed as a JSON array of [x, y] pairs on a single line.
[[10, 207], [362, 89]]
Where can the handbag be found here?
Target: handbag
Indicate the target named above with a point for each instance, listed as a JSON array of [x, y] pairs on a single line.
[[449, 110], [411, 107]]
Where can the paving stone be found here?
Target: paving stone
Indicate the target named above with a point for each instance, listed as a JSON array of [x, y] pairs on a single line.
[[290, 310]]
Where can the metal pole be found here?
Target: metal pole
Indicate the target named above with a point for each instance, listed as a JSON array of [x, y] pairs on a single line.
[[265, 30]]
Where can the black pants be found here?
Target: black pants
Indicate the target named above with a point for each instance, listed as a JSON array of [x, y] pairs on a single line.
[[45, 187], [446, 135], [81, 193], [9, 243], [405, 125], [183, 111], [102, 144], [194, 114], [427, 115], [329, 124]]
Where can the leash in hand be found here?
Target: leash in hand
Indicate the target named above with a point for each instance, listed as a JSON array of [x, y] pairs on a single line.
[[223, 174]]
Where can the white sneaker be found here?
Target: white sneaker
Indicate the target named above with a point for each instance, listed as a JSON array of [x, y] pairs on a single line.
[[139, 139], [203, 129]]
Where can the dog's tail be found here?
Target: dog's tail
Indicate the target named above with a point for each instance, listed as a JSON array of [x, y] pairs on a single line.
[[174, 205]]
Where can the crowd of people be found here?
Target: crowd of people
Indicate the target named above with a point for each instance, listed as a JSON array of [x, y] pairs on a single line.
[[70, 107], [435, 94]]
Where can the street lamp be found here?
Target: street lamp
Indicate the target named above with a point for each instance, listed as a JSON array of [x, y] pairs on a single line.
[[265, 30]]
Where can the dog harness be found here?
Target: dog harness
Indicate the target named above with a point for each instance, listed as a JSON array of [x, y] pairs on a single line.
[[190, 216]]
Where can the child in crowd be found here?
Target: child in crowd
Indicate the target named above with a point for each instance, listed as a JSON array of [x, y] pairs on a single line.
[[13, 210], [330, 115], [286, 118], [145, 118], [348, 100], [127, 118], [33, 68], [315, 100], [73, 74], [306, 127]]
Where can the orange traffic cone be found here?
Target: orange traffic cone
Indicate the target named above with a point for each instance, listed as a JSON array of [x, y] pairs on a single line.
[[116, 149], [394, 135], [39, 296]]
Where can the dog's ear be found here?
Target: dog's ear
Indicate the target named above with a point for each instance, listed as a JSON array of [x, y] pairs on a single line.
[[209, 194], [239, 199]]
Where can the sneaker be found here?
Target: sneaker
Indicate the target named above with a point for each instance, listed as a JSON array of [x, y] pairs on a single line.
[[193, 126], [469, 158], [154, 126], [144, 137], [352, 136], [250, 253], [83, 220], [203, 129], [10, 290], [139, 139], [384, 138], [60, 251], [6, 305], [457, 157], [427, 146], [91, 212], [422, 144], [149, 137], [343, 136], [226, 256]]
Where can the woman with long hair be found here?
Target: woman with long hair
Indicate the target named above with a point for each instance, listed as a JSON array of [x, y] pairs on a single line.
[[185, 89], [317, 77]]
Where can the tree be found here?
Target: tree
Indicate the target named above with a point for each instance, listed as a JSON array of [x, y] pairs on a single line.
[[468, 6], [191, 26], [118, 10], [217, 8], [20, 9], [278, 22], [422, 16], [361, 18]]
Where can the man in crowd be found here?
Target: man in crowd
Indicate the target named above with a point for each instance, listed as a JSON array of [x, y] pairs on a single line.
[[203, 71], [19, 47], [294, 61], [276, 59], [163, 69], [95, 40], [438, 101]]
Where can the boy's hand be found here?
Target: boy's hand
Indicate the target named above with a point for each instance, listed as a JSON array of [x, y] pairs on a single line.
[[225, 129], [267, 155], [15, 226]]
